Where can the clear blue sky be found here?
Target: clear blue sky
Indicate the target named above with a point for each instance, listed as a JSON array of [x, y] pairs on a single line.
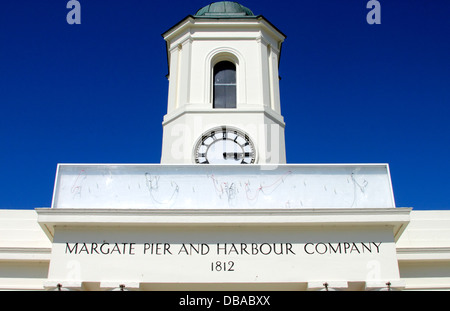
[[350, 92]]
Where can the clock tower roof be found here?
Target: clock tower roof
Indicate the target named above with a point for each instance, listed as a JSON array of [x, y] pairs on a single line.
[[224, 9]]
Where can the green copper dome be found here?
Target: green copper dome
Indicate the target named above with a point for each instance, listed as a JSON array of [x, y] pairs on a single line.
[[224, 9]]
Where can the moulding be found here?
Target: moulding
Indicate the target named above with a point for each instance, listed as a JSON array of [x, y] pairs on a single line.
[[397, 218]]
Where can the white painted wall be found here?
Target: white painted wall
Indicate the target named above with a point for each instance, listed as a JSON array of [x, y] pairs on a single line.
[[24, 251], [422, 249], [225, 254]]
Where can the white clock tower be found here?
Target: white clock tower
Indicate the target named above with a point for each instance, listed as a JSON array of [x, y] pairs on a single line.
[[224, 98]]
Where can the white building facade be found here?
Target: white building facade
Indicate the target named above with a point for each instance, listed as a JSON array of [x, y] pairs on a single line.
[[223, 210]]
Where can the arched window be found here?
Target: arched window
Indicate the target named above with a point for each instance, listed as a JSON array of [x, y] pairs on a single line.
[[224, 95]]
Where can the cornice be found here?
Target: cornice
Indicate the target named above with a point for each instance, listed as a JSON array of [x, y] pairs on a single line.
[[270, 113], [423, 254], [35, 254], [190, 23], [397, 218]]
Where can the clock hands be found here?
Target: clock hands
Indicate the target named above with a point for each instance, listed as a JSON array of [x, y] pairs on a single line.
[[235, 155]]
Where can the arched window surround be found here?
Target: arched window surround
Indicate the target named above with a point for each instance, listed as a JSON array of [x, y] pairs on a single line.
[[219, 55]]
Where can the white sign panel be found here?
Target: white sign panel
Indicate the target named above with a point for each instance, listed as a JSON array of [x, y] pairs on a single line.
[[139, 186], [233, 254]]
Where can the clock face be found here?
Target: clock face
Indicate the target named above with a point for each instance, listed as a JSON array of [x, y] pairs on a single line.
[[224, 146]]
